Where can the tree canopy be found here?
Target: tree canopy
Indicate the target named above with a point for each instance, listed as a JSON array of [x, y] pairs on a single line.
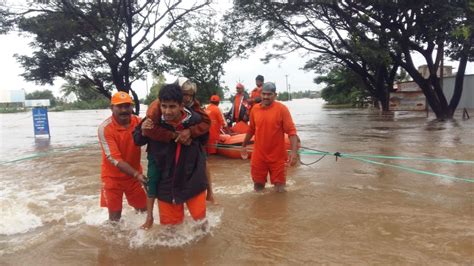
[[41, 95], [109, 43], [198, 50], [372, 38]]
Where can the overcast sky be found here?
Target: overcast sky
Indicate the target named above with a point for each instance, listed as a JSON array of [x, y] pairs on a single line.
[[237, 70]]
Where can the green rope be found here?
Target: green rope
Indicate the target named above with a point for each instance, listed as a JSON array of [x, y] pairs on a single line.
[[362, 158], [410, 169], [435, 160]]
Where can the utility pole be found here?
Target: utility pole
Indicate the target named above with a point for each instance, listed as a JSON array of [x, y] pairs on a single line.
[[146, 84], [289, 92], [287, 88]]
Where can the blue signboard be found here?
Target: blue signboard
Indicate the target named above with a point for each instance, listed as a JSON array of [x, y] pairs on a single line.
[[40, 121]]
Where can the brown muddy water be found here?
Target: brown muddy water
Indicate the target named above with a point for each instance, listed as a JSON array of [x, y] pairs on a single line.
[[344, 212]]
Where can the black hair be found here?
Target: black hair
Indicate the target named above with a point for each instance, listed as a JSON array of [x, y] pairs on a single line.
[[171, 92], [259, 77]]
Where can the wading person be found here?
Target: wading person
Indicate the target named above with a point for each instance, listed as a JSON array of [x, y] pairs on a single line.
[[153, 174], [217, 123], [239, 110], [121, 172], [181, 166], [157, 133], [269, 121]]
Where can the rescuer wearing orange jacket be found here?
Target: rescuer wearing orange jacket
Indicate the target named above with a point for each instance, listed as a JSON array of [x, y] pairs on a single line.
[[217, 123], [256, 93], [121, 172], [269, 121]]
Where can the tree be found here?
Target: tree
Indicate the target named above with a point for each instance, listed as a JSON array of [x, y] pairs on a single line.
[[83, 89], [109, 43], [198, 50], [158, 82], [6, 22], [342, 87], [41, 95], [329, 40], [425, 27], [374, 38]]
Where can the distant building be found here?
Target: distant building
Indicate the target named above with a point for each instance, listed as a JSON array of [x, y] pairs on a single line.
[[409, 91], [12, 96], [467, 97], [12, 99], [314, 94]]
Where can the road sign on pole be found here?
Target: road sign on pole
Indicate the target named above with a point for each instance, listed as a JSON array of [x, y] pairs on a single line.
[[40, 121]]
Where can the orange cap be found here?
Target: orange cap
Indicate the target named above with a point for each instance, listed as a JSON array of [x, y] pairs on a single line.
[[215, 98], [121, 97]]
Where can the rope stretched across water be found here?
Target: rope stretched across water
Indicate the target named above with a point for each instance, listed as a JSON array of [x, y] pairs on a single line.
[[308, 151], [364, 158]]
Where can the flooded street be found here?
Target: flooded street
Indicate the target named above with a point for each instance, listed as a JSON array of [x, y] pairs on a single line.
[[344, 211]]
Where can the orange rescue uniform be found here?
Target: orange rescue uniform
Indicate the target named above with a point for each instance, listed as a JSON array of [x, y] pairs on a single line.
[[217, 122], [117, 145], [256, 93], [237, 99], [269, 125]]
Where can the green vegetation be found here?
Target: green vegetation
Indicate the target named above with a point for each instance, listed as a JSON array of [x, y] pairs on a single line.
[[283, 96], [44, 94], [343, 87], [109, 43], [372, 38], [198, 50], [158, 81]]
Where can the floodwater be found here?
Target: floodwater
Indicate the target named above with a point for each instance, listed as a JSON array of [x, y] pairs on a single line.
[[334, 212]]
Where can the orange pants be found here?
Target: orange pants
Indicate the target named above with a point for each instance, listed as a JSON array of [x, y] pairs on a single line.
[[111, 195], [174, 213], [260, 169]]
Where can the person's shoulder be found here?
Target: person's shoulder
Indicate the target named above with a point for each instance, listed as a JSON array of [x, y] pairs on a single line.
[[153, 110], [155, 102], [106, 128], [106, 123]]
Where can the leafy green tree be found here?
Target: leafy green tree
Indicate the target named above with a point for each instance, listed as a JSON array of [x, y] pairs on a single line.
[[329, 40], [158, 81], [41, 95], [343, 86], [427, 28], [372, 38], [109, 43], [83, 89], [198, 50]]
